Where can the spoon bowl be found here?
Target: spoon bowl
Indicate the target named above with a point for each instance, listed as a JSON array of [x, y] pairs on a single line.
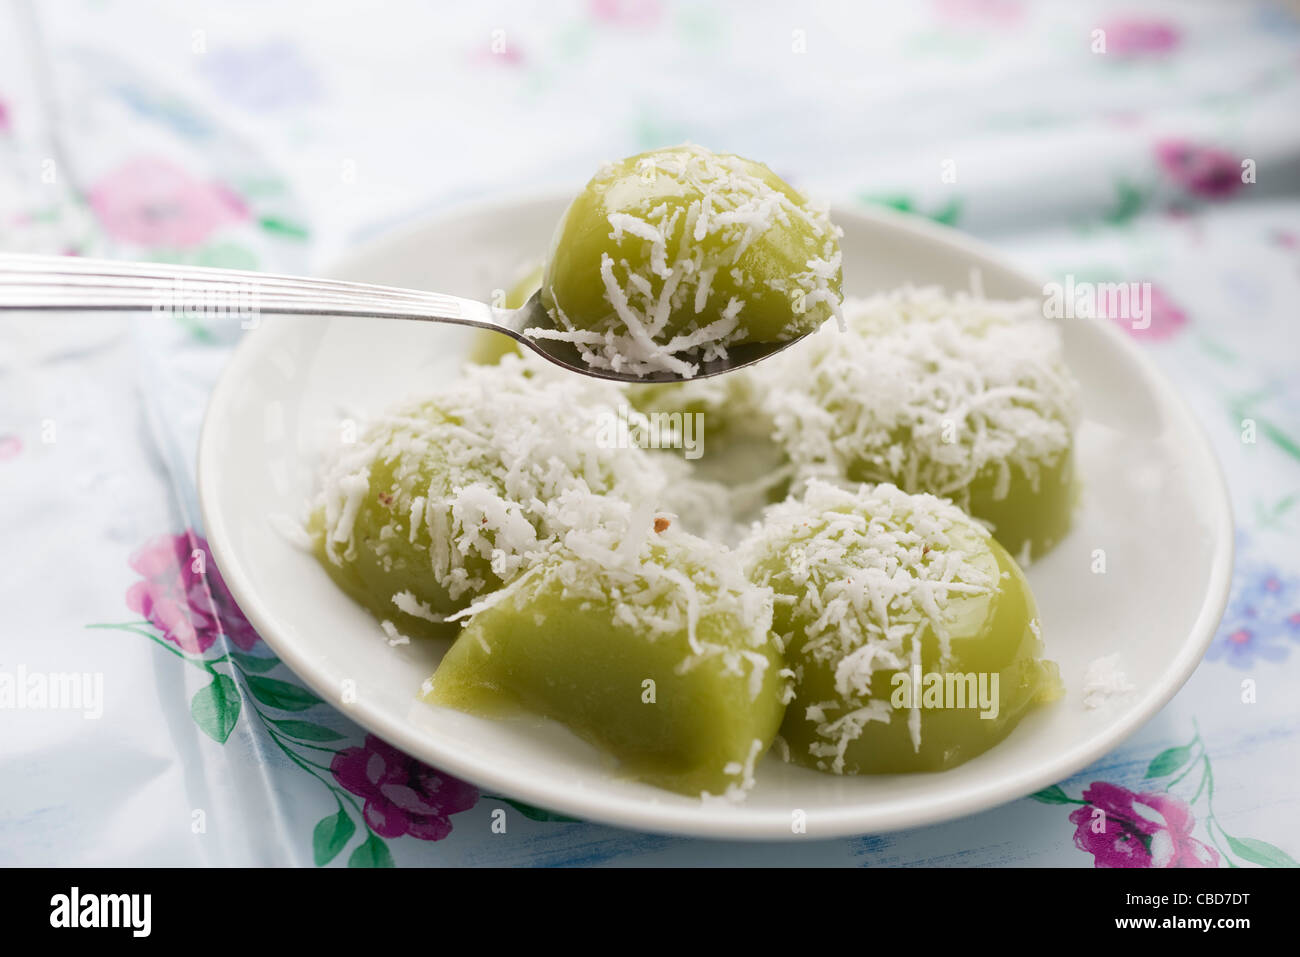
[[533, 315]]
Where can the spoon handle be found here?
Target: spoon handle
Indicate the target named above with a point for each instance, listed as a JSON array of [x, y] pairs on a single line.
[[30, 282]]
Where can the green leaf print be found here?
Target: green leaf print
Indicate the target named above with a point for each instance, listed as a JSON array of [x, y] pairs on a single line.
[[253, 663], [1260, 852], [947, 214], [331, 835], [215, 708], [1053, 795], [372, 852], [306, 730], [894, 201], [1168, 761], [280, 694], [283, 227], [1128, 204]]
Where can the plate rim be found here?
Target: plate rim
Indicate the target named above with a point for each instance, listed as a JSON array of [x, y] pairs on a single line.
[[709, 820]]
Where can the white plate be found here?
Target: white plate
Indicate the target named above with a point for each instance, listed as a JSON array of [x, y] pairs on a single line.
[[1153, 500]]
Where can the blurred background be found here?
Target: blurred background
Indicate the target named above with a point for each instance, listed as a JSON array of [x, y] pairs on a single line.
[[1153, 142]]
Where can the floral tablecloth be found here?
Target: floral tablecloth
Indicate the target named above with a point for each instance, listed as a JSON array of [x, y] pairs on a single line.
[[142, 720]]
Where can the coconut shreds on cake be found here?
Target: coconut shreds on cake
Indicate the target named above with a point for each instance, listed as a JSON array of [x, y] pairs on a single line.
[[674, 266], [927, 391], [872, 570], [523, 467], [920, 389], [1103, 680], [663, 583]]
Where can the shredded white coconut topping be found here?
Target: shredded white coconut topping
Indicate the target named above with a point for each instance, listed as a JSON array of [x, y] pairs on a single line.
[[866, 574], [659, 584], [484, 474], [743, 772], [394, 636], [927, 392], [670, 254], [1104, 680]]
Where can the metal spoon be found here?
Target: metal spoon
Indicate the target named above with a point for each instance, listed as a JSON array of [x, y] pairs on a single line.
[[69, 283]]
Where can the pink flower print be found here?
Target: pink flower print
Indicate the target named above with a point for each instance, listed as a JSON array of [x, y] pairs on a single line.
[[402, 795], [626, 13], [503, 50], [995, 12], [5, 123], [10, 447], [1133, 38], [1203, 171], [153, 202], [184, 596], [1138, 830], [1163, 318]]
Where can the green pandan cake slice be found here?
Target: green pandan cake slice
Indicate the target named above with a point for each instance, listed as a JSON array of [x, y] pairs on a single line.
[[912, 634], [446, 497], [955, 395], [669, 257], [652, 646]]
